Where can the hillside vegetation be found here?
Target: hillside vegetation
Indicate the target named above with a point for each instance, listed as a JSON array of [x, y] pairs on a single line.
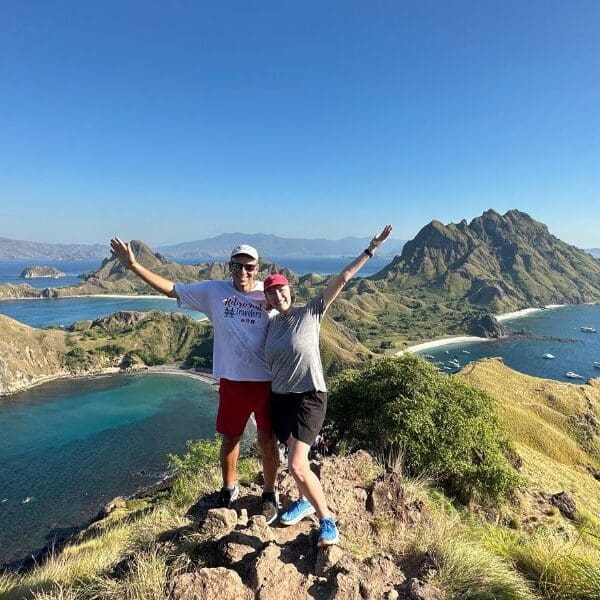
[[130, 340]]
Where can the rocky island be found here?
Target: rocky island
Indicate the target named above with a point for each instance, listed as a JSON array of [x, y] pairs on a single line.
[[37, 272]]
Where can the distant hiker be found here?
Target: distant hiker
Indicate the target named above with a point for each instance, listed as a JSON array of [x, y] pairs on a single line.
[[299, 396], [237, 310]]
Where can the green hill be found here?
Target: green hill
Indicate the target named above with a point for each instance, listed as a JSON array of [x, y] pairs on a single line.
[[501, 262]]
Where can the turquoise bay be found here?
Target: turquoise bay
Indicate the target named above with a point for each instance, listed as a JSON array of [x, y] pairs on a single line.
[[70, 446]]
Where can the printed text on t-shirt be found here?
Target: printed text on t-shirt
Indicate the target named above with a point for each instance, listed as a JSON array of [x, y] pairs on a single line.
[[248, 311]]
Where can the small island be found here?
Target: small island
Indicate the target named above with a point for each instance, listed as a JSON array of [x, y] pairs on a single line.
[[36, 272]]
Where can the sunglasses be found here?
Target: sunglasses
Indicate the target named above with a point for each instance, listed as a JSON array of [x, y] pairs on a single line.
[[236, 266]]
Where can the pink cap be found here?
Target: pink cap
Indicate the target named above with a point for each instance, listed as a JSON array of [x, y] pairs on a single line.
[[276, 279]]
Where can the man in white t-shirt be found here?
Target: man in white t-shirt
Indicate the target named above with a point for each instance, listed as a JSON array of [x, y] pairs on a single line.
[[238, 312]]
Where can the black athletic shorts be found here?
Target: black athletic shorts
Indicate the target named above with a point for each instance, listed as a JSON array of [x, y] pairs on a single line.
[[300, 415]]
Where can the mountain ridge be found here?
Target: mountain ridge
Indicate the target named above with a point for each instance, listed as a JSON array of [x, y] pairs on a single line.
[[501, 261], [215, 247]]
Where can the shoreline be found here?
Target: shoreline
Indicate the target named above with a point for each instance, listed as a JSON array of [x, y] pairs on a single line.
[[517, 314], [150, 296], [172, 369], [430, 345], [463, 339]]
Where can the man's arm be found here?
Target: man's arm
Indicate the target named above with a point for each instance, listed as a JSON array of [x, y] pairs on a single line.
[[122, 251], [334, 287]]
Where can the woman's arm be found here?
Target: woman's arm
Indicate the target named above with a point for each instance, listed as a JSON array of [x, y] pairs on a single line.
[[334, 287]]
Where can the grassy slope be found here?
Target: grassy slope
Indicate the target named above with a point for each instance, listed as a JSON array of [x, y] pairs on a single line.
[[546, 420]]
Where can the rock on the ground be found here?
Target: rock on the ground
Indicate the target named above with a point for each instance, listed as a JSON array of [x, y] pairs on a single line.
[[327, 558], [219, 521], [209, 584], [421, 590], [565, 504], [387, 496], [273, 579]]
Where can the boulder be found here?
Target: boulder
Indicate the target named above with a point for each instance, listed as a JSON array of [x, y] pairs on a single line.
[[387, 496], [209, 584], [272, 579], [327, 558], [418, 589], [219, 522]]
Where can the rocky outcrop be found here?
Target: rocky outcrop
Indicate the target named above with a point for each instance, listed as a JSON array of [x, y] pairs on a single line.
[[28, 356], [487, 327], [254, 560], [37, 272]]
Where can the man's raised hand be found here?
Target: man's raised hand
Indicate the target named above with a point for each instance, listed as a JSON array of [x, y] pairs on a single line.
[[122, 250]]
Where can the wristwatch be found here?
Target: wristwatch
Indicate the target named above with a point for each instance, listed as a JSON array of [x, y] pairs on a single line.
[[369, 252]]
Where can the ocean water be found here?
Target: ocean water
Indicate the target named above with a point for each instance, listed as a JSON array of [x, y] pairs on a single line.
[[573, 349], [64, 311], [71, 446], [43, 312], [10, 269]]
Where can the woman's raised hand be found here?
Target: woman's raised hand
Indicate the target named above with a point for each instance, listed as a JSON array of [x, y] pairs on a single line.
[[379, 239], [122, 250]]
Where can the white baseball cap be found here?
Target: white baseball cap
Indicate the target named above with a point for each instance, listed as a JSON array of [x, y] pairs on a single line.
[[245, 249]]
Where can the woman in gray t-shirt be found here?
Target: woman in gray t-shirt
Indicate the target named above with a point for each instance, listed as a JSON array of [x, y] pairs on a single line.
[[299, 394]]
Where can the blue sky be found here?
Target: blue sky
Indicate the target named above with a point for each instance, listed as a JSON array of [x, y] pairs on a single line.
[[174, 121]]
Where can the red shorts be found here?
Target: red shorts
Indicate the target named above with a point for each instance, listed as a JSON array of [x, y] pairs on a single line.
[[237, 400]]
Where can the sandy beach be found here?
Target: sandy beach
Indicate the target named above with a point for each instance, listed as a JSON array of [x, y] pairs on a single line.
[[461, 339], [526, 311], [206, 377], [469, 338]]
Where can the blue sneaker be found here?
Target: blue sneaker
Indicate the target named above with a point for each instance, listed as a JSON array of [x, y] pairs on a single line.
[[296, 511], [328, 533]]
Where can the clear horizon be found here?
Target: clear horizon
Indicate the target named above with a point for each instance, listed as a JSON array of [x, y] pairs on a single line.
[[176, 123]]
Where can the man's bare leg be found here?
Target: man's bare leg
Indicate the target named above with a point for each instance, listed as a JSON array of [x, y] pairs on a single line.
[[230, 451], [270, 458]]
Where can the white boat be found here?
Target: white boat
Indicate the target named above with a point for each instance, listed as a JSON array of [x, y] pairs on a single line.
[[454, 363], [448, 368], [430, 357], [587, 329], [597, 364], [446, 351], [572, 375], [26, 500], [466, 352], [548, 356]]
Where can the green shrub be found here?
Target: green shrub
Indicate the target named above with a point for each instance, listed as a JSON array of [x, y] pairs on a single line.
[[200, 463], [77, 359], [150, 357], [444, 427], [112, 349], [196, 362]]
